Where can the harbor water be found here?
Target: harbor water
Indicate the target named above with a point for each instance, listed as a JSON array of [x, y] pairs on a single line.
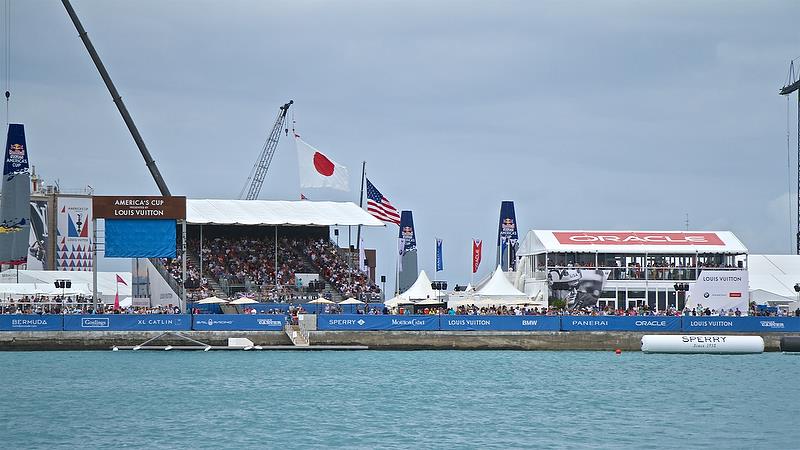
[[387, 399]]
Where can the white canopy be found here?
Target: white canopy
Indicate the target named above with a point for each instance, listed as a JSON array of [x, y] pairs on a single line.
[[772, 278], [269, 212], [211, 301], [322, 301], [420, 290], [351, 301], [633, 242], [243, 301], [499, 286], [106, 281]]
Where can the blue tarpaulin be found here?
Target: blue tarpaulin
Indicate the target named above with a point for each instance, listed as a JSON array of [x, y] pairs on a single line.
[[128, 238]]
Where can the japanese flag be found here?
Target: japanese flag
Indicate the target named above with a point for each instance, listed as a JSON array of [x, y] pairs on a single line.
[[319, 171]]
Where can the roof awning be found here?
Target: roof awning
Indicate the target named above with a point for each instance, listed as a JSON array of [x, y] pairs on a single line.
[[269, 212]]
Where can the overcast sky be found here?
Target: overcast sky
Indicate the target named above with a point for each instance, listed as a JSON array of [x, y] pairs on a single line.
[[588, 115]]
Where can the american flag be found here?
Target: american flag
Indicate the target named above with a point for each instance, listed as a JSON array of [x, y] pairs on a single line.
[[379, 206]]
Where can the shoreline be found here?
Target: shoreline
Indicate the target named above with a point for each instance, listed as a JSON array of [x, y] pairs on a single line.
[[374, 340]]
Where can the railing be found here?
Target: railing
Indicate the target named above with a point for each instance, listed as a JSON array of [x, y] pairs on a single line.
[[641, 273]]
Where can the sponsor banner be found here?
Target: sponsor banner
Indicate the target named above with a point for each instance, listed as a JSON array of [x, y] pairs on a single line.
[[407, 264], [31, 322], [243, 322], [635, 238], [362, 322], [74, 233], [720, 289], [16, 189], [500, 323], [620, 323], [37, 240], [507, 237], [139, 207], [128, 322], [749, 324], [579, 288]]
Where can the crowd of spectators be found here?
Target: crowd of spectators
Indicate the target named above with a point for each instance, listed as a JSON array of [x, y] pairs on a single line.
[[74, 305], [249, 263], [250, 259], [348, 280]]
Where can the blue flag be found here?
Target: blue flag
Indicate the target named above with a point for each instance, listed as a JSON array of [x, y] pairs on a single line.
[[439, 262]]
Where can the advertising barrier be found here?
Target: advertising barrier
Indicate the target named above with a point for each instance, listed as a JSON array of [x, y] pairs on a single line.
[[620, 323], [758, 324], [500, 323], [128, 322], [239, 322], [31, 322], [361, 322]]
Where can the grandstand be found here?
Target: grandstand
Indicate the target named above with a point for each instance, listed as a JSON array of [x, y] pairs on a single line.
[[256, 248]]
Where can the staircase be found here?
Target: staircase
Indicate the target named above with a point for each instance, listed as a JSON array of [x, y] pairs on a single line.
[[216, 289], [296, 335]]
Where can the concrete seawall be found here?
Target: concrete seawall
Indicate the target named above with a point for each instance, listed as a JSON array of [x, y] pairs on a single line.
[[376, 340]]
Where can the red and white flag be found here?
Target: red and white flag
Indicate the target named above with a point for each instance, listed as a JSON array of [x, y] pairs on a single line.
[[477, 249], [120, 280], [319, 171]]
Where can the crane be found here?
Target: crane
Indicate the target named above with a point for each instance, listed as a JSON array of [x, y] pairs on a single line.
[[792, 85], [259, 170]]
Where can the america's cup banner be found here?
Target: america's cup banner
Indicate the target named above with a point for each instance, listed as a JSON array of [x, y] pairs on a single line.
[[408, 252], [636, 238], [14, 204]]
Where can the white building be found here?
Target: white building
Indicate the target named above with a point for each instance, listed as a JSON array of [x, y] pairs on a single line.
[[624, 269]]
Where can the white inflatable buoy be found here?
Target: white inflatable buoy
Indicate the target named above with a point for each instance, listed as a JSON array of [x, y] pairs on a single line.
[[701, 343], [114, 349]]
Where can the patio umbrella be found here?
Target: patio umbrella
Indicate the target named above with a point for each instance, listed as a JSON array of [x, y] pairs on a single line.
[[211, 301], [243, 301], [351, 301], [322, 300]]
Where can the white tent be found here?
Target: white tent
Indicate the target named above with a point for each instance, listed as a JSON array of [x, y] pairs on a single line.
[[420, 290], [269, 212], [499, 291], [351, 301], [81, 281], [772, 278], [499, 286]]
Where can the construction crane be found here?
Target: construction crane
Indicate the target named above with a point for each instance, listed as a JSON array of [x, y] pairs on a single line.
[[792, 85], [256, 178]]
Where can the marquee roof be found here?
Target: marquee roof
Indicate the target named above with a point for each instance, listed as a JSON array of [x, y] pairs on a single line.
[[81, 280], [274, 212], [772, 277], [499, 286], [630, 242]]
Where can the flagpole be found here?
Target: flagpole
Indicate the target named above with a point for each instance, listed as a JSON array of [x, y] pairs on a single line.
[[360, 205]]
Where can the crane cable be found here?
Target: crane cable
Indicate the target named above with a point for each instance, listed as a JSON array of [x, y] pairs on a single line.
[[7, 54], [789, 174]]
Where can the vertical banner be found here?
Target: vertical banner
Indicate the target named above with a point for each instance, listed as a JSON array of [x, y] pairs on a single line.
[[408, 265], [477, 249], [15, 206], [507, 237], [74, 227], [37, 241], [439, 261]]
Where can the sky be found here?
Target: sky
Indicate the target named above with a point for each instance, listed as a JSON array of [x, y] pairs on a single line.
[[594, 115]]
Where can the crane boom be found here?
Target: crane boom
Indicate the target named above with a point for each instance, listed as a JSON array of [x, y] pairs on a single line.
[[259, 171], [126, 116]]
